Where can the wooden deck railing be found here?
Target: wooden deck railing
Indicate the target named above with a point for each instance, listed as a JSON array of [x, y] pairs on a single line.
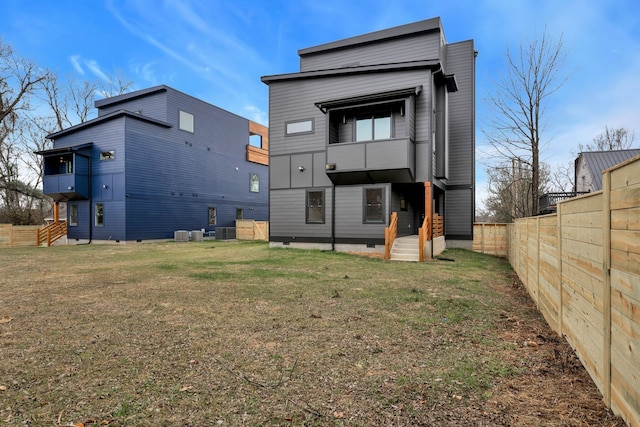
[[438, 226], [424, 235], [390, 234], [51, 233]]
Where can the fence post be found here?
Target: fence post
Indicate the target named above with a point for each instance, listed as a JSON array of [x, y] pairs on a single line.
[[560, 281], [606, 281]]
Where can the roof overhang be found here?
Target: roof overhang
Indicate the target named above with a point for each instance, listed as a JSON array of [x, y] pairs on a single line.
[[325, 106], [64, 150], [107, 117], [433, 64]]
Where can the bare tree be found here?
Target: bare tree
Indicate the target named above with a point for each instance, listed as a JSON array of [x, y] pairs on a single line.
[[19, 81], [518, 102], [510, 188], [34, 103], [611, 139]]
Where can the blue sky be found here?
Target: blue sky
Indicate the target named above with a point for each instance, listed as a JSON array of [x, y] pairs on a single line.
[[218, 50]]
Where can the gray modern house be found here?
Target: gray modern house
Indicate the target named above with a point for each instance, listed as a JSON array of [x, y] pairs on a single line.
[[156, 161], [374, 139]]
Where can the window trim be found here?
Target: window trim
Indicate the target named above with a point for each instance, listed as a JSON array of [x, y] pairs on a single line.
[[304, 132], [73, 214], [107, 155], [322, 206], [98, 219], [213, 209], [183, 115], [254, 188], [382, 205], [239, 214]]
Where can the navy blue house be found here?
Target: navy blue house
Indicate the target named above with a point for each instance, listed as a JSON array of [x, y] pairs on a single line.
[[155, 161]]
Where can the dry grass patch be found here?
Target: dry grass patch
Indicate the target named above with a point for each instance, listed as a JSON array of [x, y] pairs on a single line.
[[219, 333]]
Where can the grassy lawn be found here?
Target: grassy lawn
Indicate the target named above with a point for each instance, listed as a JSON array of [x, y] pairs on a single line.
[[235, 333]]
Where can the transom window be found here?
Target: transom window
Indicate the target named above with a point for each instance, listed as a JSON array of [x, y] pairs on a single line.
[[374, 205], [315, 207]]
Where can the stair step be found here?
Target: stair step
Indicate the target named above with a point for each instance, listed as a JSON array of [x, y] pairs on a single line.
[[405, 249]]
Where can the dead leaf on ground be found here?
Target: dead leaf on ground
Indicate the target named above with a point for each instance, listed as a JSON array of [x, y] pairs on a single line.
[[5, 320]]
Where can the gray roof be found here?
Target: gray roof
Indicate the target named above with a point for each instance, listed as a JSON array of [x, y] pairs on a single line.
[[400, 31], [106, 117], [599, 161]]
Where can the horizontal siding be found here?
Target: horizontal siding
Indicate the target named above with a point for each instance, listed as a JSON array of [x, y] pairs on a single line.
[[287, 215], [171, 182], [458, 217], [350, 212], [461, 62], [153, 105], [295, 100], [412, 48]]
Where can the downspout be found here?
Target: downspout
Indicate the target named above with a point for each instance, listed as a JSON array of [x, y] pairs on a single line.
[[333, 216]]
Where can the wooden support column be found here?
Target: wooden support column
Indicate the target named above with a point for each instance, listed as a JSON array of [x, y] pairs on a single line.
[[56, 212], [428, 208]]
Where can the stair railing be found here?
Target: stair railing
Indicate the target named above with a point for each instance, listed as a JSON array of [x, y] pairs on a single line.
[[51, 233], [390, 234]]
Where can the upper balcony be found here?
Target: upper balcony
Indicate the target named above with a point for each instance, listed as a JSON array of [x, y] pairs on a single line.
[[389, 160], [66, 175], [371, 141]]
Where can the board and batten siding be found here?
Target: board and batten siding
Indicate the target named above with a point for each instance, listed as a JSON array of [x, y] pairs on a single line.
[[405, 49]]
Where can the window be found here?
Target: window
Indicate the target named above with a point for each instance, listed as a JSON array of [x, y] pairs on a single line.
[[304, 126], [107, 155], [73, 215], [373, 127], [66, 165], [213, 218], [239, 213], [99, 214], [186, 121], [315, 207], [373, 205], [254, 183]]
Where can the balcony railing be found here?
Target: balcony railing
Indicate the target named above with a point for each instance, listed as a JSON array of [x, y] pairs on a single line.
[[547, 202]]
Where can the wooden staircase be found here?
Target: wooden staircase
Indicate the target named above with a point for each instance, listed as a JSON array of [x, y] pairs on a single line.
[[51, 233], [405, 249]]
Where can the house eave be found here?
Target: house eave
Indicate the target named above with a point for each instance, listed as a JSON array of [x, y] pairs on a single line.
[[345, 71], [105, 118]]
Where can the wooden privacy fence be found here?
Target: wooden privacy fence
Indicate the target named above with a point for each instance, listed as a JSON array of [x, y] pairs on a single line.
[[581, 266], [491, 239], [17, 235], [249, 229]]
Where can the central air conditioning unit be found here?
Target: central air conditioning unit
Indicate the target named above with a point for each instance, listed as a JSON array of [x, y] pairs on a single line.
[[225, 233], [181, 236]]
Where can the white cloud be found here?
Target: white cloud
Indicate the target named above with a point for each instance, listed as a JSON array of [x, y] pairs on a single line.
[[75, 62], [96, 70], [257, 115]]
